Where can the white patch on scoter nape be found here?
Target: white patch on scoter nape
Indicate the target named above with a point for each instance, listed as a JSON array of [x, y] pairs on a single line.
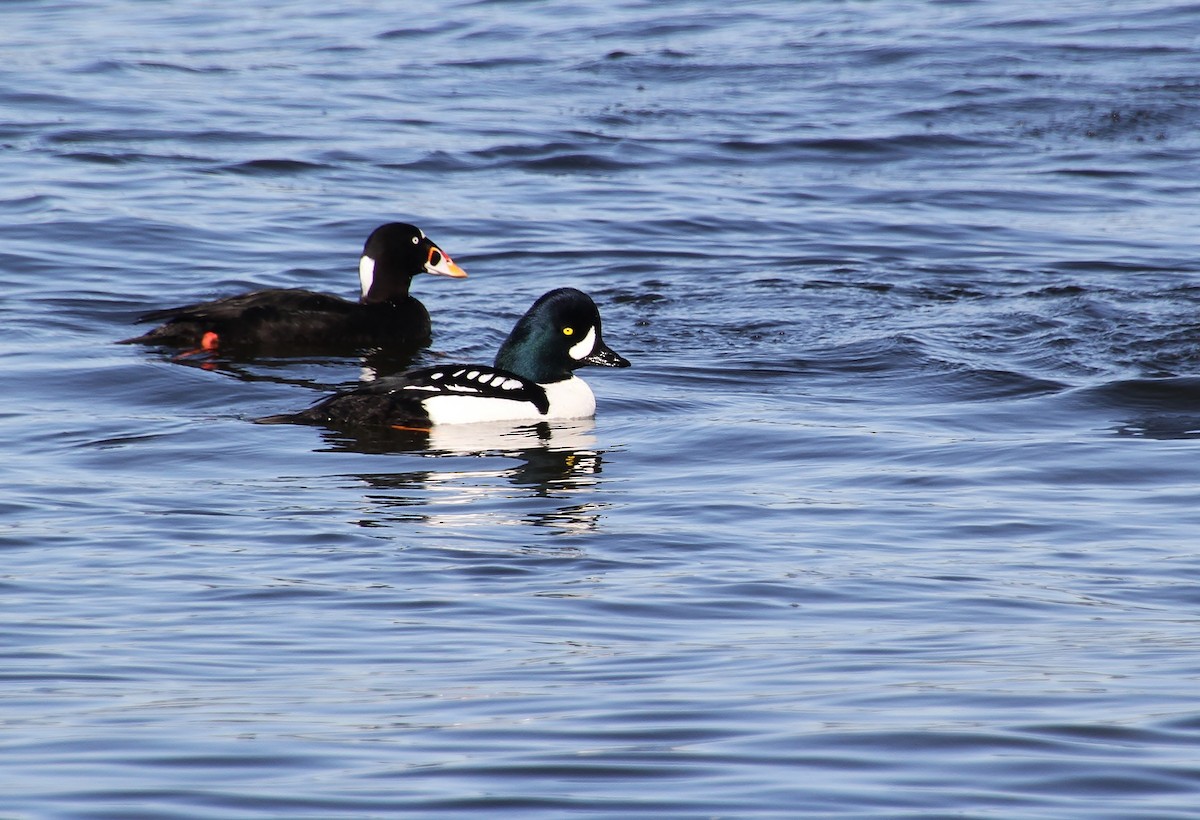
[[584, 346], [366, 273]]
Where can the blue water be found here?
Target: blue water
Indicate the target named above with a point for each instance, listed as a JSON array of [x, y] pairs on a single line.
[[895, 514]]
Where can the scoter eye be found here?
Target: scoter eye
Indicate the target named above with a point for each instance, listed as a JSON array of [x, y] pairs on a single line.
[[567, 331], [416, 240], [435, 258]]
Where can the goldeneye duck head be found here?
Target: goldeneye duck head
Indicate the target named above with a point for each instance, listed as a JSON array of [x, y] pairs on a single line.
[[393, 254], [560, 333]]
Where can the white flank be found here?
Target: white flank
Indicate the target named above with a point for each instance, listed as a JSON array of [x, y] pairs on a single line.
[[366, 273], [570, 399], [584, 346]]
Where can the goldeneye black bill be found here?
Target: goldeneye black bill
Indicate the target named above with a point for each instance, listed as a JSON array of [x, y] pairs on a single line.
[[605, 356]]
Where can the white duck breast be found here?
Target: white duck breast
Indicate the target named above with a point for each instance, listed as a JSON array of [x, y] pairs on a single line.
[[569, 399]]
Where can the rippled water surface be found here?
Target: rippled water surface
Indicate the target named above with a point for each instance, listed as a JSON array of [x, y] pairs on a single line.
[[895, 514]]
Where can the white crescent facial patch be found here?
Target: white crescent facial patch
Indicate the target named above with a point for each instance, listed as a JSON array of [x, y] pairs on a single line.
[[584, 346]]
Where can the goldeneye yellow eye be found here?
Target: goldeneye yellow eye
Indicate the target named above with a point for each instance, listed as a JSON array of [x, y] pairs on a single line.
[[567, 331]]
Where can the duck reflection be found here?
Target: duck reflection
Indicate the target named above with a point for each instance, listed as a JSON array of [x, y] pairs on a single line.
[[483, 475], [321, 373], [1160, 408]]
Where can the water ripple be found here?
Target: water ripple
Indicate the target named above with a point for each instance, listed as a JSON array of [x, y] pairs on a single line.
[[891, 516]]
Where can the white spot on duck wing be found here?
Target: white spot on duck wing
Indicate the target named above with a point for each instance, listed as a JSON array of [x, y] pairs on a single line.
[[569, 399]]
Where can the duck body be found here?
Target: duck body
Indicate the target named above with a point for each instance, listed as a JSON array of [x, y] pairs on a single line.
[[532, 378], [290, 321], [293, 321]]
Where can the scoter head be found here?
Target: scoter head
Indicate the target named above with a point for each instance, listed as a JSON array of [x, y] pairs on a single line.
[[558, 334], [393, 254]]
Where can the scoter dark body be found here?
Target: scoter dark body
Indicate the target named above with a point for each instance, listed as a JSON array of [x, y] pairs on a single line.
[[293, 321]]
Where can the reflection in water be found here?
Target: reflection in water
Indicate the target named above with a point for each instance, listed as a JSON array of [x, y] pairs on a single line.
[[481, 474], [1165, 408], [1162, 428], [307, 371]]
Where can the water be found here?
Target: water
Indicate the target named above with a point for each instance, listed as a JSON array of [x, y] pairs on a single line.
[[894, 515]]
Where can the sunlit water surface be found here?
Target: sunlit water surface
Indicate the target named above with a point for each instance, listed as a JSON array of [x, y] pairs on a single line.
[[894, 515]]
